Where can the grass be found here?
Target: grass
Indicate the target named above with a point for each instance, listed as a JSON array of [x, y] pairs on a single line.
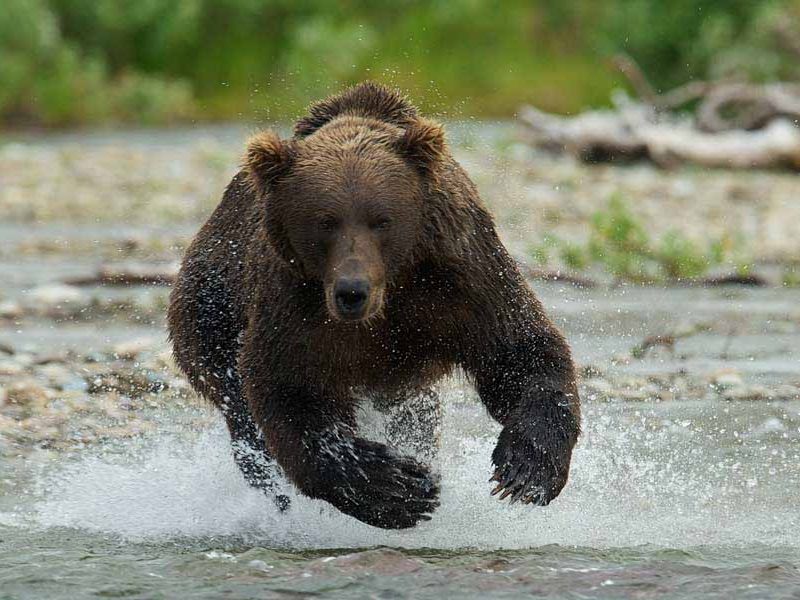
[[621, 246], [791, 276]]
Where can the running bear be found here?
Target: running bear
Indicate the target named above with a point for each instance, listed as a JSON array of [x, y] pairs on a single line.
[[356, 259]]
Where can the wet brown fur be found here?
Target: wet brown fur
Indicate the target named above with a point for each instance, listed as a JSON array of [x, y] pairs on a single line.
[[254, 328]]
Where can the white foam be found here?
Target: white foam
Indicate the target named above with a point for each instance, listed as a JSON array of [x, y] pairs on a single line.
[[629, 486]]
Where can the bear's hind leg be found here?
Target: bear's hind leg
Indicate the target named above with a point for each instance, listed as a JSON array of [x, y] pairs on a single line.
[[249, 450]]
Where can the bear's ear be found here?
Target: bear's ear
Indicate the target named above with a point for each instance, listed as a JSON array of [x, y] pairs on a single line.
[[266, 159], [423, 144]]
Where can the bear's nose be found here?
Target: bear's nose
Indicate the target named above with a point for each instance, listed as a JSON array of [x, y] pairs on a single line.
[[351, 297]]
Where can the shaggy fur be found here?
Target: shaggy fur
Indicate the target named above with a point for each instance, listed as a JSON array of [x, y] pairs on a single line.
[[366, 192]]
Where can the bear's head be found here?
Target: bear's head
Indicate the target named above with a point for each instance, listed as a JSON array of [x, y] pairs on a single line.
[[344, 199]]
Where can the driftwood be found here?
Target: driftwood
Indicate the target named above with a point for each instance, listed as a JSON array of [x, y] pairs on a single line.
[[547, 275], [746, 106], [128, 275], [735, 125], [628, 134], [671, 100], [724, 105], [750, 280], [667, 340]]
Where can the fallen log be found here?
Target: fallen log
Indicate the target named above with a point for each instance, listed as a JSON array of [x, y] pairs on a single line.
[[723, 105], [129, 275], [750, 280], [735, 124], [666, 340], [744, 106], [534, 273], [594, 136], [630, 134]]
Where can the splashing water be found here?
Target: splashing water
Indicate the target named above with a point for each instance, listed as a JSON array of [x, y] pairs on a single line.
[[672, 475]]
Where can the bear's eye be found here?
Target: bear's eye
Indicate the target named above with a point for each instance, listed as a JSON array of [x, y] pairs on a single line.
[[382, 224], [328, 223]]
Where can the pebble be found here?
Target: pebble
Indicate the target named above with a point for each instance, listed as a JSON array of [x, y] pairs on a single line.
[[259, 565], [601, 387], [27, 393], [754, 392], [64, 400], [726, 380], [131, 349], [61, 377], [10, 310], [56, 294], [10, 368]]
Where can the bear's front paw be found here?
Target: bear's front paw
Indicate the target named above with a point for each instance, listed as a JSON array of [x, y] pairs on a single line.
[[532, 459], [381, 488]]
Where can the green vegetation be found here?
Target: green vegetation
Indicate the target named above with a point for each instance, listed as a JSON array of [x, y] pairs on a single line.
[[791, 276], [65, 62], [620, 245]]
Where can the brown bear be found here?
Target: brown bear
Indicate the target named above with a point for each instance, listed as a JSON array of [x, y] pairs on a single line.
[[356, 258]]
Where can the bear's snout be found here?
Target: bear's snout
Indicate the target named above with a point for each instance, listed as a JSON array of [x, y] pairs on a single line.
[[351, 297]]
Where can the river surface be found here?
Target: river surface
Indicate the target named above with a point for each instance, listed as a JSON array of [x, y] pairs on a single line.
[[698, 496], [686, 498]]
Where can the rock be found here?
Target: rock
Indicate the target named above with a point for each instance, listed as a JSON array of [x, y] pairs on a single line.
[[771, 425], [27, 393], [95, 357], [787, 392], [600, 387], [10, 310], [632, 395], [259, 565], [726, 380], [620, 359], [666, 395], [56, 294], [50, 357], [129, 382], [755, 392], [62, 378], [131, 349], [24, 358], [57, 301], [10, 368]]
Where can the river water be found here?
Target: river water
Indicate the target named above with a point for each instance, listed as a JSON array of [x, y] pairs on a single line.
[[676, 499]]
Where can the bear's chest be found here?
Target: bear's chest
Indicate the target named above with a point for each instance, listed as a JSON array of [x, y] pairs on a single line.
[[389, 355]]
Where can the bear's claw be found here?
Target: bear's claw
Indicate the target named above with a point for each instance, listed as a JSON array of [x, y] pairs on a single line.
[[525, 470], [533, 452], [527, 488], [526, 491]]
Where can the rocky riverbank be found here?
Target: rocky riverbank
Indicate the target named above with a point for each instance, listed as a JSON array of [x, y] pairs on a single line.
[[66, 400], [168, 181]]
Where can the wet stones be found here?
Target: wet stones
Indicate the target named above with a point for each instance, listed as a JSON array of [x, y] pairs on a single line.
[[134, 383], [63, 400], [727, 385], [10, 310]]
